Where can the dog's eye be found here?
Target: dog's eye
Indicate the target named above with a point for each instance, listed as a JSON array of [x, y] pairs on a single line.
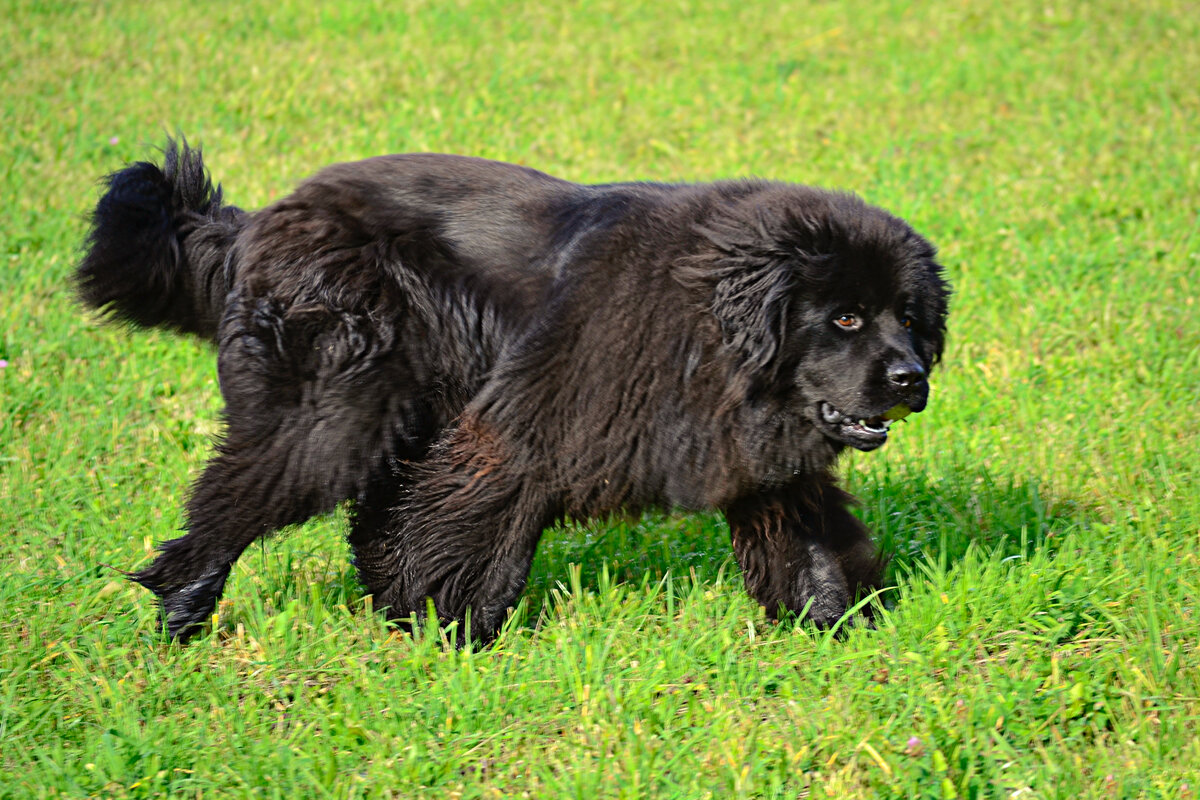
[[906, 322], [848, 322]]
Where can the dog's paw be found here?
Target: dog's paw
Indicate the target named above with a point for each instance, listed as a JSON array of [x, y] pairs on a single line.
[[187, 607]]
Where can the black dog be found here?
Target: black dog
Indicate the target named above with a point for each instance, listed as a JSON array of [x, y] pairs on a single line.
[[471, 350]]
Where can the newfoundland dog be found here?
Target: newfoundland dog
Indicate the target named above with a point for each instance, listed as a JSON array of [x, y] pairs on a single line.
[[470, 350]]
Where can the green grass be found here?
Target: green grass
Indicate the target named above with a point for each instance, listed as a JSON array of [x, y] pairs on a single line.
[[1044, 514]]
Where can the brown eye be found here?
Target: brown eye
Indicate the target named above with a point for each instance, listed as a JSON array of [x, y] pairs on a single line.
[[906, 322], [849, 322]]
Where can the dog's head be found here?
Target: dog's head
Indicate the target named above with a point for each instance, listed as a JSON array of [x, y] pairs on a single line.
[[836, 308]]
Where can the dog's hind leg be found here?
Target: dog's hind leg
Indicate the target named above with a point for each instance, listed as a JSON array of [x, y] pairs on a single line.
[[800, 548], [369, 519], [465, 533], [311, 416], [241, 496]]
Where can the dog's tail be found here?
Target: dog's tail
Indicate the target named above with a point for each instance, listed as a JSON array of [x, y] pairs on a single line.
[[159, 253]]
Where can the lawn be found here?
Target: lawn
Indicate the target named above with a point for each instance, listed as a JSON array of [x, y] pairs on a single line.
[[1040, 637]]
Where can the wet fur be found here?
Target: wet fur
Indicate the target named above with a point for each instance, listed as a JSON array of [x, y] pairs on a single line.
[[471, 350]]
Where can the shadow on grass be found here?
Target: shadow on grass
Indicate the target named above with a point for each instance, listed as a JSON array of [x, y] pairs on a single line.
[[922, 518], [914, 520]]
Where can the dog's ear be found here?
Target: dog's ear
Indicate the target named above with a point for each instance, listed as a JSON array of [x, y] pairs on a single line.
[[940, 293], [930, 315], [750, 279], [751, 303]]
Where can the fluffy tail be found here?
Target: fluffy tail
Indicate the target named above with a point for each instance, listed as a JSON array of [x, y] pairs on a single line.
[[158, 254]]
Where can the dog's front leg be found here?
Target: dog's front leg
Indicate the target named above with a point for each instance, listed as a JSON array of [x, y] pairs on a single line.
[[801, 551]]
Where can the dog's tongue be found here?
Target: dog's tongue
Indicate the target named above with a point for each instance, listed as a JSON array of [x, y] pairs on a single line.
[[897, 412]]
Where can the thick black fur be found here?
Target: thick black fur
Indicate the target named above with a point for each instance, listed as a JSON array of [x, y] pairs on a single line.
[[472, 350]]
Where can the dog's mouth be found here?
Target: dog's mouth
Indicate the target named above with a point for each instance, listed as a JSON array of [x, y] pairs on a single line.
[[860, 432]]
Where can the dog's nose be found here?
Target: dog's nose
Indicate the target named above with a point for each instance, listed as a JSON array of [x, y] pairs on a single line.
[[906, 373]]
